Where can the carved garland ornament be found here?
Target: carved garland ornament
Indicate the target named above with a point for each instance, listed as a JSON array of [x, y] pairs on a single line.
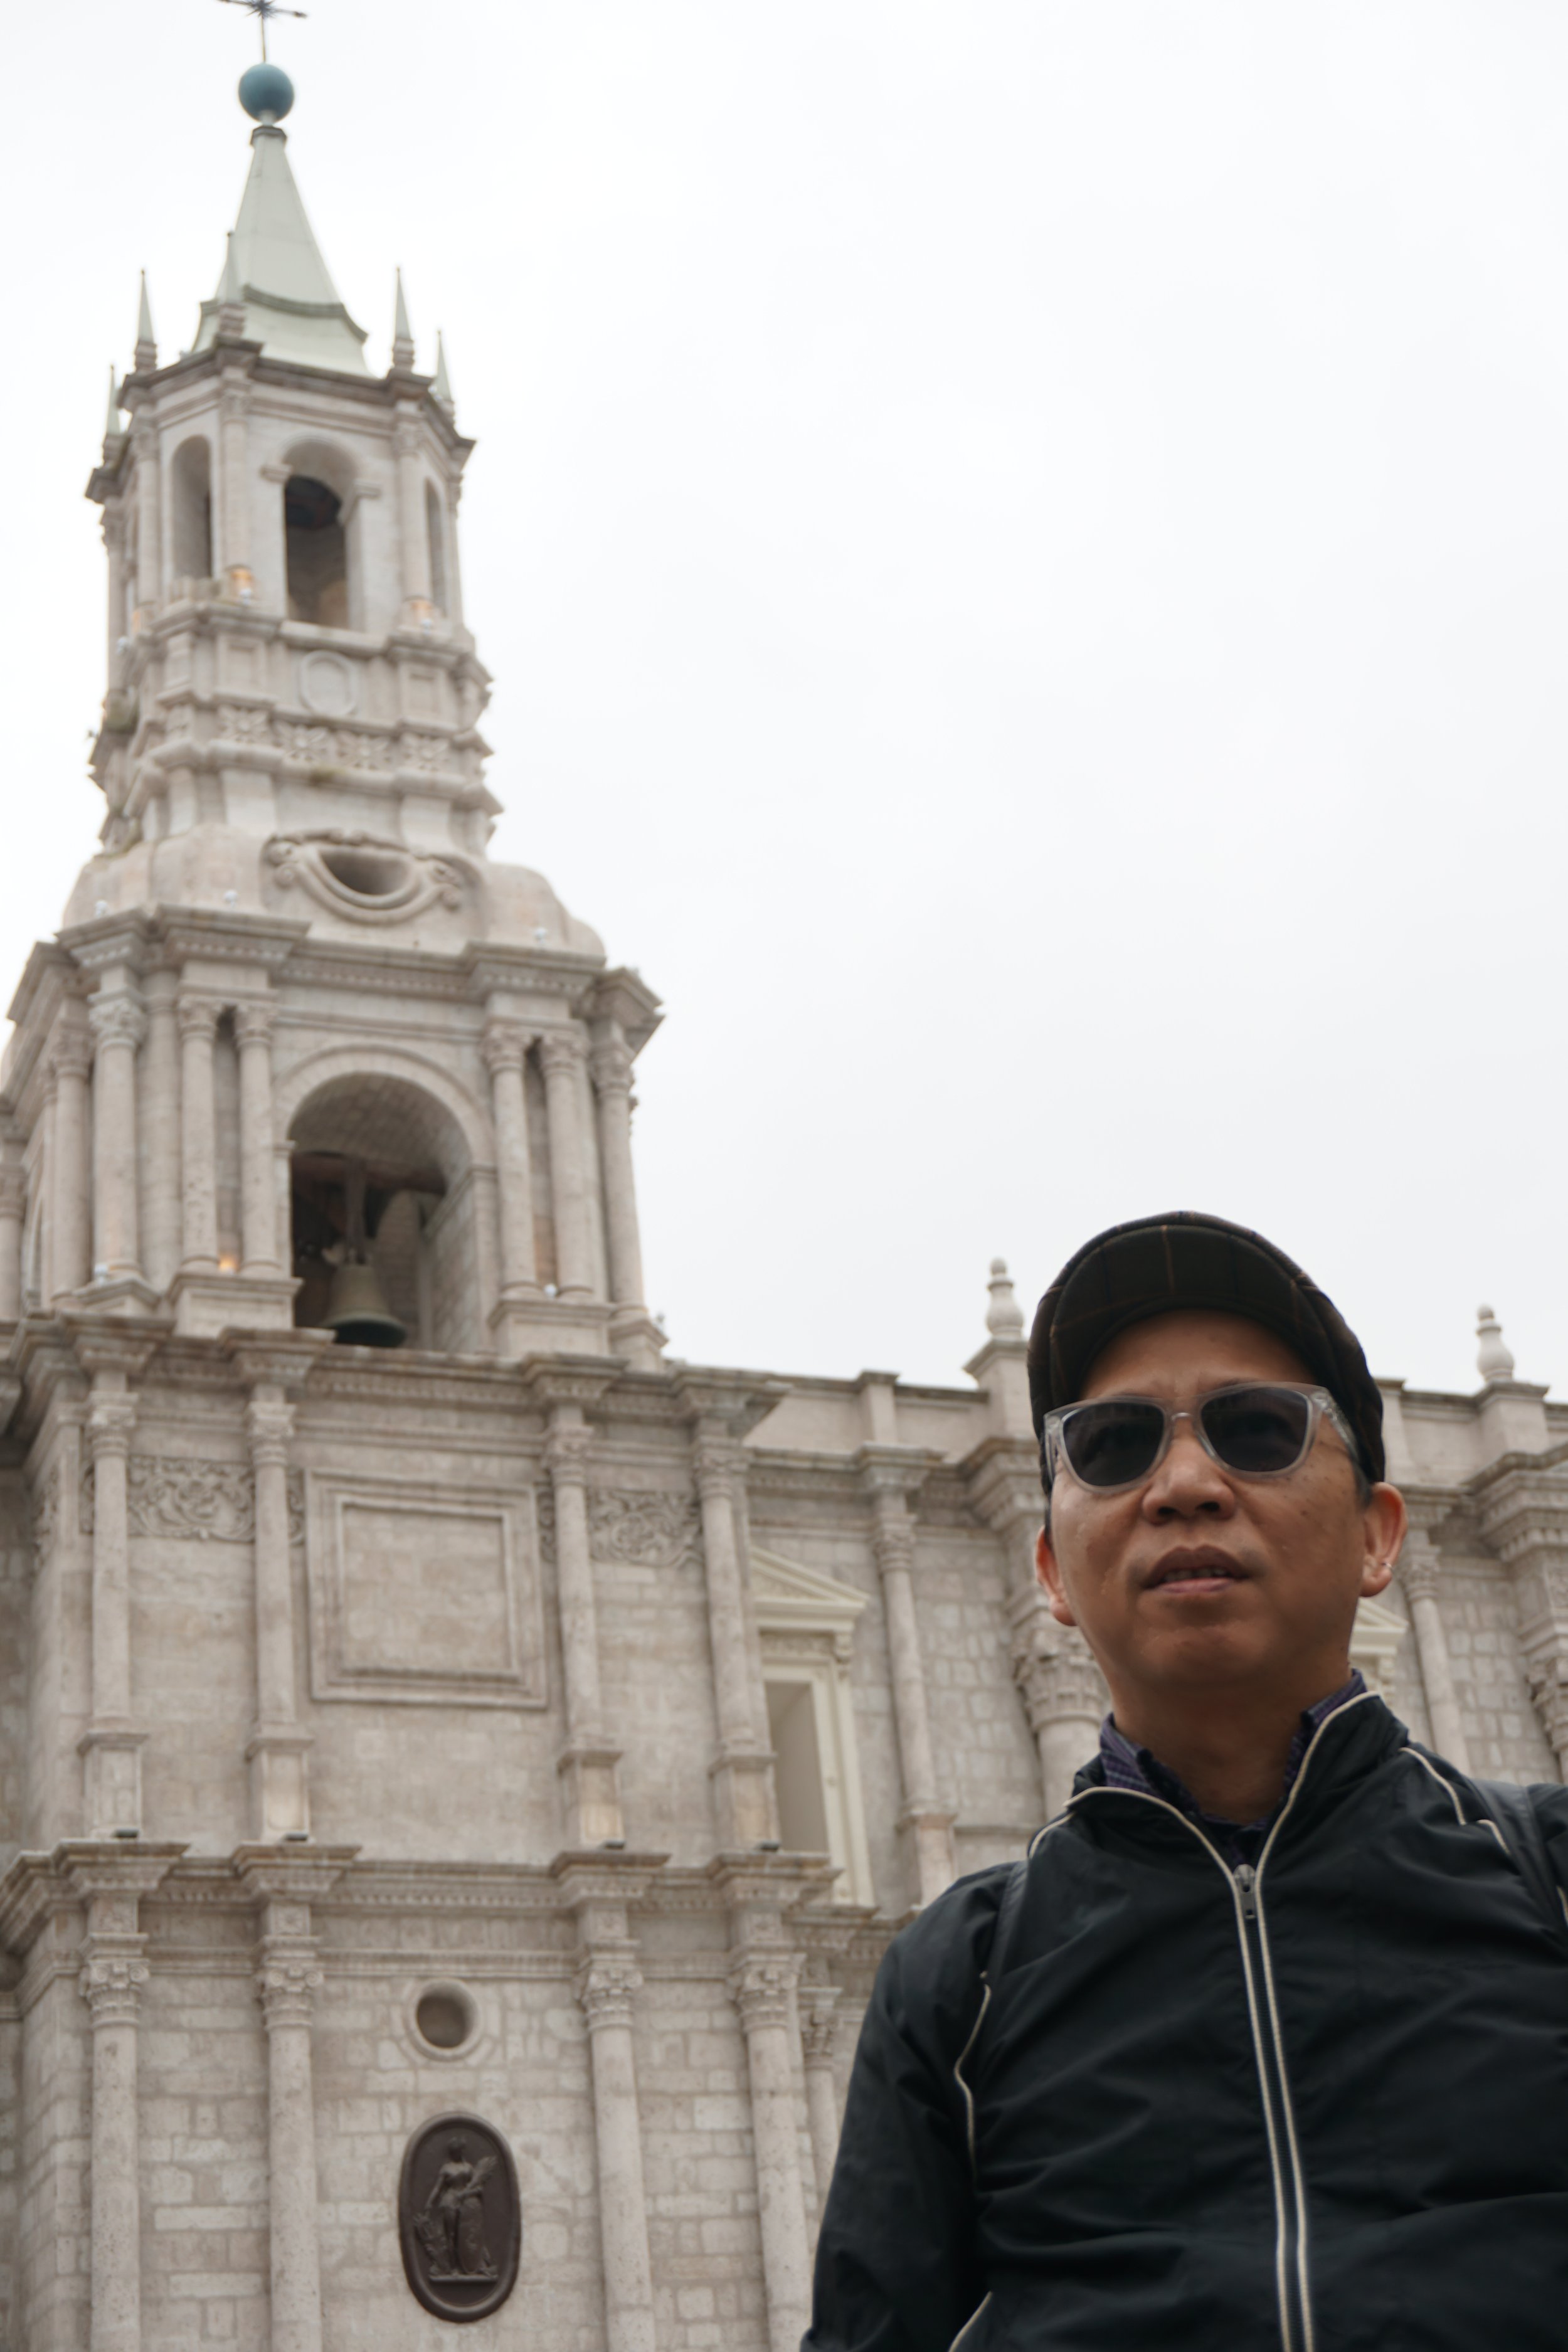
[[175, 1500], [643, 1527], [363, 876]]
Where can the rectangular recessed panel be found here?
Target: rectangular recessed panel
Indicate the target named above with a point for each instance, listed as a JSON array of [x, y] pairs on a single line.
[[424, 1592]]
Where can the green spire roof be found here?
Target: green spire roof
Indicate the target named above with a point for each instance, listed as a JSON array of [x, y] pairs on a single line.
[[275, 268]]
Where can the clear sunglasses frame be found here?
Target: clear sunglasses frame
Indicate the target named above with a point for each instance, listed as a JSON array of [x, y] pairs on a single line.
[[1320, 1407]]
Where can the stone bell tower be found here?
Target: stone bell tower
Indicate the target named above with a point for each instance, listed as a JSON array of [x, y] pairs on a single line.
[[294, 862]]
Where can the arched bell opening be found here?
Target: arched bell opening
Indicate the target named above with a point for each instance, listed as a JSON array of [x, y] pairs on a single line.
[[191, 510], [316, 552], [383, 1243]]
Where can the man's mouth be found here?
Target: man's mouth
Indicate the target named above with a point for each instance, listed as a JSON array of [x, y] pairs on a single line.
[[1198, 1571]]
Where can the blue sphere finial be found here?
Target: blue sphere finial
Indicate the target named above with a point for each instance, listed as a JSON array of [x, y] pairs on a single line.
[[266, 93]]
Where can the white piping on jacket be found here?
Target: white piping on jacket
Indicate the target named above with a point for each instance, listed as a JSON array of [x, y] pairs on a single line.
[[1287, 2331], [958, 2075], [1450, 1792], [1302, 2274], [978, 2313]]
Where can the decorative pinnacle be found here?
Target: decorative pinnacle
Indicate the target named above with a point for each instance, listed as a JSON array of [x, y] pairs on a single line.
[[231, 298], [1003, 1316], [146, 342], [441, 389], [1494, 1361], [401, 332], [112, 427]]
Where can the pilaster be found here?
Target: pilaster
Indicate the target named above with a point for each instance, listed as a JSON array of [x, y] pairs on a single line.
[[1522, 1506], [888, 1477]]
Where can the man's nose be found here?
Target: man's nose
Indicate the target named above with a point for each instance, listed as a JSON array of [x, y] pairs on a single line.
[[1188, 1481]]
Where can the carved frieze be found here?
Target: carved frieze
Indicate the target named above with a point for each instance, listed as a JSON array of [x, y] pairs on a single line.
[[644, 1527], [170, 1497]]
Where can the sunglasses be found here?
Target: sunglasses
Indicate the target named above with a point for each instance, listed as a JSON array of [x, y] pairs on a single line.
[[1254, 1429]]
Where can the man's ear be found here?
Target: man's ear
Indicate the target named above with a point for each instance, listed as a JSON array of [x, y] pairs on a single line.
[[1048, 1571], [1383, 1523]]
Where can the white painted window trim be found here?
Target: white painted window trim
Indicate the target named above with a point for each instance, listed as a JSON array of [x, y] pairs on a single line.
[[806, 1626]]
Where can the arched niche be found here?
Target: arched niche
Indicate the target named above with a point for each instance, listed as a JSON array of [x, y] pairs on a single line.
[[436, 533], [381, 1173], [191, 509], [319, 567]]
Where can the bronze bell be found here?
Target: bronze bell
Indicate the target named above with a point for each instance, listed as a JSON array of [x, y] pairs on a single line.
[[358, 1312]]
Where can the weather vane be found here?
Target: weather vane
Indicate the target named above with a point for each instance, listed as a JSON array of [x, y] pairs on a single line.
[[261, 10]]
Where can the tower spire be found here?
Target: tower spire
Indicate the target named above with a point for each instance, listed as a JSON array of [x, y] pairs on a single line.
[[441, 388], [401, 332], [146, 342], [276, 289]]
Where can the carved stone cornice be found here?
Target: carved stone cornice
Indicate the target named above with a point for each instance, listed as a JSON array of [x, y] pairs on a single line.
[[566, 1452], [818, 2024], [894, 1471], [1053, 1666], [254, 1020], [725, 1404], [607, 1980], [762, 1986], [198, 1014], [568, 1380], [269, 1426], [110, 1422], [505, 1044], [118, 1020]]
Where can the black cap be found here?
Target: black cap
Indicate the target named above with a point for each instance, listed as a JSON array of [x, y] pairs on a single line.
[[1157, 1264]]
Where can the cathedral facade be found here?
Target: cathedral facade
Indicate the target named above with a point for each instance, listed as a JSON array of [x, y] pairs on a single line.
[[461, 1764]]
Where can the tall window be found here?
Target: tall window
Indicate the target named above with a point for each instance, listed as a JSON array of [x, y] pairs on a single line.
[[434, 529], [191, 496], [317, 552], [805, 1622]]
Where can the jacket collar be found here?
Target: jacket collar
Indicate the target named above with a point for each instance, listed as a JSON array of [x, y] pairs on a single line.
[[1344, 1751]]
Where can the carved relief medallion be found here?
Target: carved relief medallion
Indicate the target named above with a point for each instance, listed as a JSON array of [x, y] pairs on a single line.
[[458, 2218]]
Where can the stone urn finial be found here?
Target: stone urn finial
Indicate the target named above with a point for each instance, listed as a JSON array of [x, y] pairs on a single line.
[[1003, 1316], [1493, 1360]]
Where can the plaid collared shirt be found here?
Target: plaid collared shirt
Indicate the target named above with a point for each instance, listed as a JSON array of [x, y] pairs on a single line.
[[1136, 1768]]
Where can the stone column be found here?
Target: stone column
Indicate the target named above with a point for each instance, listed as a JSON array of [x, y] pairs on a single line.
[[607, 1980], [412, 534], [818, 2031], [742, 1770], [588, 1761], [1064, 1695], [612, 1073], [71, 1262], [1523, 1514], [110, 1748], [118, 1024], [561, 1054], [198, 1140], [113, 1971], [1420, 1574], [762, 1983], [149, 516], [114, 548], [930, 1826], [288, 1982], [158, 1123], [234, 479], [278, 1749], [13, 1219], [505, 1049], [253, 1025]]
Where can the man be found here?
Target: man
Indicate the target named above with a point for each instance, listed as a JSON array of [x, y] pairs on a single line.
[[1264, 2047]]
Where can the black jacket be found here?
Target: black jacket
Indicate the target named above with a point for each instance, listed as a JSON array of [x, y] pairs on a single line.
[[1119, 2098]]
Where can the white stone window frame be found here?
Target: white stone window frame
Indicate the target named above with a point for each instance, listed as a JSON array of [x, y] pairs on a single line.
[[805, 1630], [1375, 1639]]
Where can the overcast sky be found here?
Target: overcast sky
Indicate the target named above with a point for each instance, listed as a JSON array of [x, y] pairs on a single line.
[[1023, 553]]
